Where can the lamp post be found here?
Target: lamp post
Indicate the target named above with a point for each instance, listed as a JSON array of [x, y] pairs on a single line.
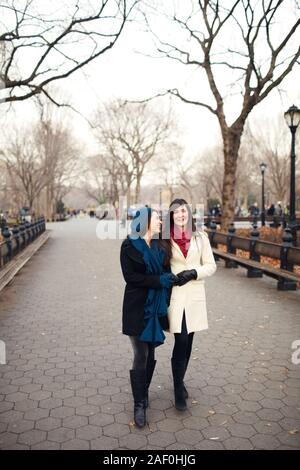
[[292, 117], [263, 168]]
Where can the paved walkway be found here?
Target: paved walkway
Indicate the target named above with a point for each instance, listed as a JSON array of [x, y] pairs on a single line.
[[66, 381]]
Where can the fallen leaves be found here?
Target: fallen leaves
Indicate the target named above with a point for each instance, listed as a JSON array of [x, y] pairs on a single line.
[[294, 431]]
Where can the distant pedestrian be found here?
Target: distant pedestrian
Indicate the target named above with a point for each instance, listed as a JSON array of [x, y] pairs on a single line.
[[286, 210], [271, 210], [278, 208]]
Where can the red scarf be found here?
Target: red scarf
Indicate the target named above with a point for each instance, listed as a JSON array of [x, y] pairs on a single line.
[[182, 238]]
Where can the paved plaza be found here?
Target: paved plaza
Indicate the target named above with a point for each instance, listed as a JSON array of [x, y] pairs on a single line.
[[66, 381]]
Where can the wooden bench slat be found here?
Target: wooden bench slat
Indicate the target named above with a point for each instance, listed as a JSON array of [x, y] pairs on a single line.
[[276, 273]]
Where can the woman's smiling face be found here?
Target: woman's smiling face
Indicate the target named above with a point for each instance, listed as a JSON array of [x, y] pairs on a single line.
[[155, 223], [181, 216]]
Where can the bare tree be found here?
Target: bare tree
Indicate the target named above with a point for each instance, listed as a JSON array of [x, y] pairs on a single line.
[[209, 174], [41, 160], [96, 185], [269, 142], [104, 179], [187, 181], [197, 179], [253, 43], [25, 168], [166, 167], [59, 152], [2, 181], [131, 134], [39, 46]]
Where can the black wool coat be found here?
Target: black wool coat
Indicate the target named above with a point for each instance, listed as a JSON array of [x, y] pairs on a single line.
[[137, 284]]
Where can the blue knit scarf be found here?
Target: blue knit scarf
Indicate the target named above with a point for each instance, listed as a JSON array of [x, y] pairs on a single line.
[[156, 303]]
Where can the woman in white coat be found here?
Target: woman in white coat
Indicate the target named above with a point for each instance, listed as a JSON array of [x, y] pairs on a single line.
[[192, 260]]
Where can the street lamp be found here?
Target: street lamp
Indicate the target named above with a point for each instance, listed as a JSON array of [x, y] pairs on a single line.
[[263, 168], [292, 117]]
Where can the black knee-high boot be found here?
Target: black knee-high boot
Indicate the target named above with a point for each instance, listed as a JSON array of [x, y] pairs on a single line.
[[187, 360], [138, 385], [178, 370], [186, 395], [149, 373], [185, 392]]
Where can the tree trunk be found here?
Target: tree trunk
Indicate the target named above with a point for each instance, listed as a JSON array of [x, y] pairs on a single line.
[[49, 202], [231, 141], [128, 195], [137, 188], [48, 212]]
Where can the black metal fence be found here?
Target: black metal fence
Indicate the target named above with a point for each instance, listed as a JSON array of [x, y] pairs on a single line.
[[19, 236], [286, 253], [272, 220]]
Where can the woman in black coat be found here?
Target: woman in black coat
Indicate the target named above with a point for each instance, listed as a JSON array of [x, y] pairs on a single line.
[[148, 282]]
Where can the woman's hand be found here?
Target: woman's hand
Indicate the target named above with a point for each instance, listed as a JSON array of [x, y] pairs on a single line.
[[186, 276], [168, 280]]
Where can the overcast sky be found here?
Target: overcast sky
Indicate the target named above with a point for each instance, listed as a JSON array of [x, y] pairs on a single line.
[[125, 72]]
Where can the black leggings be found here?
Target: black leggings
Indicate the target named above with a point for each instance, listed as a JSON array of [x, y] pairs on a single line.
[[143, 353], [183, 343]]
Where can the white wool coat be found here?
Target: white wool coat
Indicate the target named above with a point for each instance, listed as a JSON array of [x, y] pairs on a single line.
[[191, 296]]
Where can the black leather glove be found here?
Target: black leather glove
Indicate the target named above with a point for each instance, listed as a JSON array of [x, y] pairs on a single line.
[[186, 276]]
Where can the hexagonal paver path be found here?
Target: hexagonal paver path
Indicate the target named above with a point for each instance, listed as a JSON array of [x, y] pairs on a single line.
[[66, 381]]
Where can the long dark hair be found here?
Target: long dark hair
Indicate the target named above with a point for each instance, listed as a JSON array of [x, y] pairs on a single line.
[[168, 226], [140, 224]]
